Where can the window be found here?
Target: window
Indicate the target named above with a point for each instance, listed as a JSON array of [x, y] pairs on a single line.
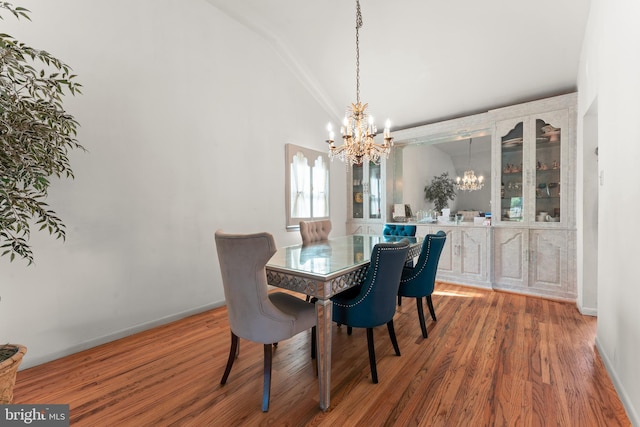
[[307, 185]]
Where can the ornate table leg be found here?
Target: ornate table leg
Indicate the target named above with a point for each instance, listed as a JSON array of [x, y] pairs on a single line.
[[324, 316]]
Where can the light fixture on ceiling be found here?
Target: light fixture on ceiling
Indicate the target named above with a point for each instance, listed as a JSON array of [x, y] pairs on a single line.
[[358, 128], [469, 181]]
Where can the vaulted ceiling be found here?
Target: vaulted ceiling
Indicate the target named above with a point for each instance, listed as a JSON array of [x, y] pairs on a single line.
[[423, 61]]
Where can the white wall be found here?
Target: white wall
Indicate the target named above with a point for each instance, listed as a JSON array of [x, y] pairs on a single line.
[[185, 115], [610, 74]]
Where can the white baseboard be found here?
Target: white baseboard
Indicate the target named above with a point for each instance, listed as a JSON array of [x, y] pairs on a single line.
[[632, 413], [588, 311], [38, 360]]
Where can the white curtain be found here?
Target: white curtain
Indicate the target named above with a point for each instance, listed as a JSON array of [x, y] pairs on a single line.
[[320, 187], [300, 187]]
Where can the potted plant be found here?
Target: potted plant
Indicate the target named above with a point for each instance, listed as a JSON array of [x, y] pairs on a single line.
[[440, 191], [36, 136], [10, 357]]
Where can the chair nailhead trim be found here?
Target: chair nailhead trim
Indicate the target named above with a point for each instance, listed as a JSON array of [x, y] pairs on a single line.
[[424, 264], [375, 272]]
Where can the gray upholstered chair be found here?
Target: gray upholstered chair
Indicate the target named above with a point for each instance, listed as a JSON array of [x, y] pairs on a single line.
[[314, 231], [254, 314]]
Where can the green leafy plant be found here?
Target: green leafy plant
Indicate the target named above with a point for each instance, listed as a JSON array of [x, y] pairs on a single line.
[[440, 191], [7, 350], [36, 136]]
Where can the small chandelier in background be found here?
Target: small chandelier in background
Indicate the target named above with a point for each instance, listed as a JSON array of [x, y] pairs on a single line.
[[469, 181], [358, 128]]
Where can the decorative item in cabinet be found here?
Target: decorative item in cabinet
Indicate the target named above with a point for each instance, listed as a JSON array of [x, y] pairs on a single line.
[[548, 150], [358, 189], [512, 158], [365, 198], [531, 152]]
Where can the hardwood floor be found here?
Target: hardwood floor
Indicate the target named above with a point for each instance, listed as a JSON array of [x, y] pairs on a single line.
[[491, 359]]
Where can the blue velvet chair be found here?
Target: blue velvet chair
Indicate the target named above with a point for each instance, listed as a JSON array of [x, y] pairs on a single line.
[[419, 281], [373, 303], [399, 230]]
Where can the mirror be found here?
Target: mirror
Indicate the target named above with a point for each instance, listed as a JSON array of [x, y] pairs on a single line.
[[416, 164]]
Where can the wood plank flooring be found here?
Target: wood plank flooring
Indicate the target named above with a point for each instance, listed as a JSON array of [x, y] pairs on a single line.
[[491, 359]]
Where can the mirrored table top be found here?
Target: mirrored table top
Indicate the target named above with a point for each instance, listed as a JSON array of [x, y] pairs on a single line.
[[332, 257]]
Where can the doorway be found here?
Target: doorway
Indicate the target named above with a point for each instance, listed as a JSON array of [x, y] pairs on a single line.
[[588, 274]]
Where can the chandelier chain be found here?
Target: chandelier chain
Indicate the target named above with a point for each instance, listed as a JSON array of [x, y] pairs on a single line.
[[358, 26], [358, 129]]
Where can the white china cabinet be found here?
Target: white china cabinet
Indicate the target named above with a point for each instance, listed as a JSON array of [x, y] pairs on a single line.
[[531, 164], [465, 255], [531, 244], [534, 261], [366, 198], [534, 219]]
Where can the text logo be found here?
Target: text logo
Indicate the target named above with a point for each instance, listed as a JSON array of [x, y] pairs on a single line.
[[34, 415]]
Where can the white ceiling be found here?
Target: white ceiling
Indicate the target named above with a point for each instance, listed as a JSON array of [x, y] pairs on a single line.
[[423, 61]]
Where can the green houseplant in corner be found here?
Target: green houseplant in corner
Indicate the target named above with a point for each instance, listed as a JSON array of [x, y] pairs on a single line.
[[440, 191], [36, 136]]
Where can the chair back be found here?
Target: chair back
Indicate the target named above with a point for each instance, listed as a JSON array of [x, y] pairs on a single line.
[[399, 230], [314, 231], [421, 279], [242, 260], [376, 302]]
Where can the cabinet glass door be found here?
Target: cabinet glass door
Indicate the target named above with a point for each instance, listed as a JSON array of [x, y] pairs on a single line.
[[375, 191], [358, 191], [547, 171], [511, 191]]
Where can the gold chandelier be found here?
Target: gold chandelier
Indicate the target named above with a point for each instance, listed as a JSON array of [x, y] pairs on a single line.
[[469, 181], [358, 128]]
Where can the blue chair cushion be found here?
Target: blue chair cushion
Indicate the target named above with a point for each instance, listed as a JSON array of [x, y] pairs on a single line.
[[399, 230]]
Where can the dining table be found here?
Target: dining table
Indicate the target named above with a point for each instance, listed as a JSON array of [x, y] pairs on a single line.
[[322, 270]]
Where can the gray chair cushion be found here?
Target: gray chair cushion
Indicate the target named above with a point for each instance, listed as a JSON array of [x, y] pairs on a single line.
[[254, 314], [314, 231]]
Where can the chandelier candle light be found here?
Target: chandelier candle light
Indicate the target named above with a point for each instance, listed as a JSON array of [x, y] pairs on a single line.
[[469, 181], [358, 128]]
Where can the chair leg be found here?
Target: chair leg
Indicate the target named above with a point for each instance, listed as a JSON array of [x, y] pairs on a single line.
[[372, 356], [349, 330], [431, 310], [313, 342], [421, 316], [399, 300], [268, 353], [233, 352], [392, 335]]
